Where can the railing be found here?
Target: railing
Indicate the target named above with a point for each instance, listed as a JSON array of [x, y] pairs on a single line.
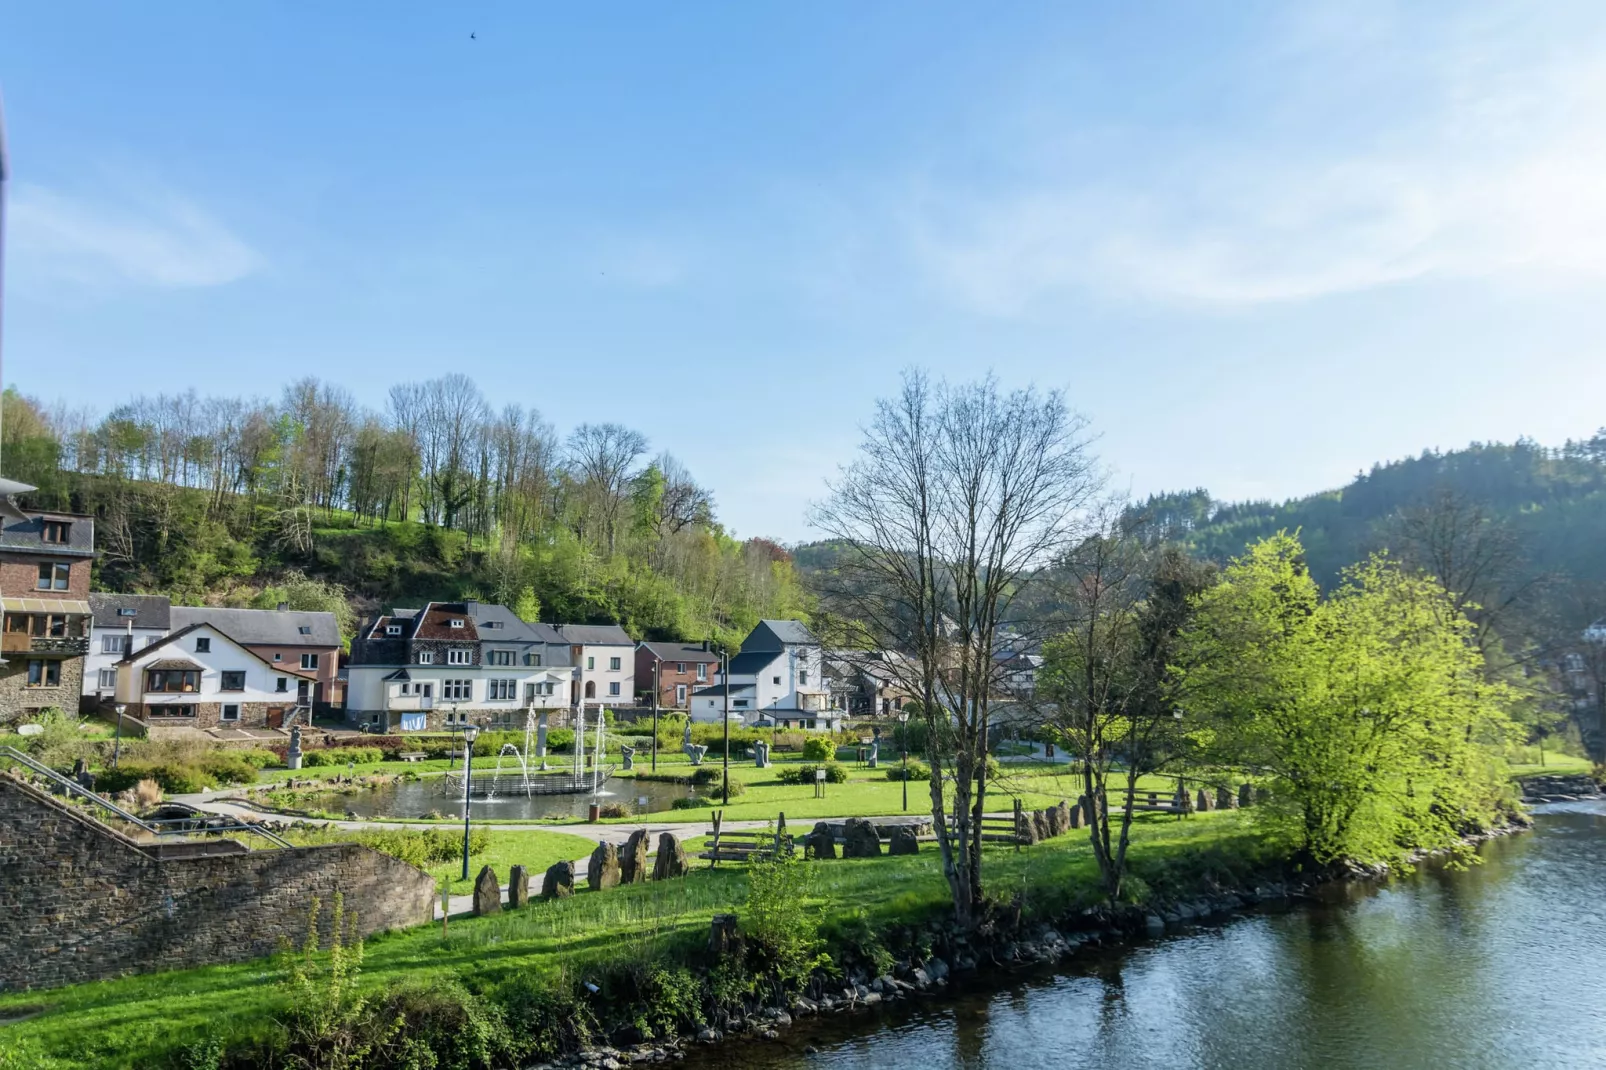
[[22, 643], [153, 827], [409, 702]]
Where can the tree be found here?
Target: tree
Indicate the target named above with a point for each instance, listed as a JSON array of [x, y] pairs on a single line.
[[1369, 710], [959, 497], [602, 460]]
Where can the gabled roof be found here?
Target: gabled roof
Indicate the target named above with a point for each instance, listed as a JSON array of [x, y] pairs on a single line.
[[172, 637], [679, 651], [399, 674], [718, 690], [264, 627], [435, 622], [149, 610], [776, 635], [595, 635], [26, 535], [750, 662], [502, 624]]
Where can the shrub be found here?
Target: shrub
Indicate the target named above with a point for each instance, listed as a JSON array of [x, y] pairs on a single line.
[[690, 804], [447, 1028], [716, 789], [917, 771], [705, 774], [781, 932], [819, 749], [228, 767], [175, 778], [835, 773], [147, 793], [614, 810]]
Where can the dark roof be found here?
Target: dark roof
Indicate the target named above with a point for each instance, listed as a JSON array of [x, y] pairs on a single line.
[[753, 661], [501, 623], [264, 627], [595, 635], [28, 535], [680, 652], [150, 610], [548, 633], [175, 663], [775, 634], [399, 674], [435, 622], [718, 690]]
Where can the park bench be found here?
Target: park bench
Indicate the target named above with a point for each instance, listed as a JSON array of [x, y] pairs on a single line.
[[413, 756], [754, 845]]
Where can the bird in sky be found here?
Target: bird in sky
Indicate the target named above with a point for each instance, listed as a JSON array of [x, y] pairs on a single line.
[[471, 37]]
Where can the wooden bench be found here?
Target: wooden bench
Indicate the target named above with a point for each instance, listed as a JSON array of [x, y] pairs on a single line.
[[413, 756], [754, 845]]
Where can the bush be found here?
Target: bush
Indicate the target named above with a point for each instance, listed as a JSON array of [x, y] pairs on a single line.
[[716, 789], [818, 749], [614, 810], [690, 804], [175, 778], [447, 1028], [227, 767], [835, 773], [917, 771], [329, 756]]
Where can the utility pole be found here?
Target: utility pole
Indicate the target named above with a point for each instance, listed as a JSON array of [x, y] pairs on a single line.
[[725, 674]]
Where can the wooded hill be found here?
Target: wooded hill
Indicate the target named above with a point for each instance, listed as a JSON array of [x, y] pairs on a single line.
[[314, 501]]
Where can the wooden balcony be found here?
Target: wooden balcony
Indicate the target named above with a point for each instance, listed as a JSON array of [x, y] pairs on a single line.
[[62, 645]]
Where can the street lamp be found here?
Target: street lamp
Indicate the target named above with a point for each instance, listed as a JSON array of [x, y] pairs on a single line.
[[725, 674], [903, 743], [117, 743], [470, 734]]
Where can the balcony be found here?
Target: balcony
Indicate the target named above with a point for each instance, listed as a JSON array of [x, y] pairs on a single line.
[[405, 703], [22, 643]]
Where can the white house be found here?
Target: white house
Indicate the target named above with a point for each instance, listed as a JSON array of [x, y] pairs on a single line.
[[783, 665], [119, 625], [604, 656], [198, 677], [708, 704]]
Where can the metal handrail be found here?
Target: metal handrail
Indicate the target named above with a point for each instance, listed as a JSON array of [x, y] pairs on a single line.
[[152, 827]]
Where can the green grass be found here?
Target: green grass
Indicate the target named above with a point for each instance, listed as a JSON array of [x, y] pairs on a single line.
[[1556, 764], [504, 848], [138, 1021]]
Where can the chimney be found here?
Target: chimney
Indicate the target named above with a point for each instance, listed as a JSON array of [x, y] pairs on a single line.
[[283, 606], [705, 646]]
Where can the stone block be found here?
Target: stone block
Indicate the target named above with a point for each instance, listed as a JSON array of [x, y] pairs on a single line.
[[518, 886], [1203, 802], [633, 858], [671, 860], [1246, 794], [1225, 799], [822, 841], [903, 841], [559, 881], [860, 839], [487, 892], [603, 870]]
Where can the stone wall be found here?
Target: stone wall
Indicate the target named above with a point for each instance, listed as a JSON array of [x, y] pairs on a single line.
[[19, 701], [210, 714], [80, 901]]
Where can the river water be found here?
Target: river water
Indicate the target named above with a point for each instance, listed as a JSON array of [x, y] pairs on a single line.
[[1501, 965]]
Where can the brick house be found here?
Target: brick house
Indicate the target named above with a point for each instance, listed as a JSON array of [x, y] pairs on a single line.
[[681, 668], [45, 558], [199, 677]]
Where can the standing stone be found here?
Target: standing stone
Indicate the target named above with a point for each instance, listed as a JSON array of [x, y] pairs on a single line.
[[1088, 817], [903, 841], [518, 887], [822, 840], [559, 881], [1076, 814], [633, 859], [1040, 825], [671, 861], [1246, 794], [1203, 802], [723, 939], [1062, 818], [860, 840], [603, 871], [1225, 799], [761, 754], [487, 893], [628, 754]]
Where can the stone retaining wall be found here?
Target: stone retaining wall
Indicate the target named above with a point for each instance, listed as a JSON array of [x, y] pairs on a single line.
[[80, 901]]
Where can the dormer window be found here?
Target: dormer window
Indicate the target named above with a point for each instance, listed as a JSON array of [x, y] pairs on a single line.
[[493, 624], [426, 657], [393, 629], [56, 530], [126, 612], [457, 622], [304, 630]]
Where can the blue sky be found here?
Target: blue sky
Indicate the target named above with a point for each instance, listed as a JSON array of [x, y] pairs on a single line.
[[1260, 246]]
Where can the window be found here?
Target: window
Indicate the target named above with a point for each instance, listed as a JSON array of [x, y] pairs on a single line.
[[309, 661], [459, 657], [281, 683], [278, 657], [492, 624], [108, 679], [591, 689], [304, 630], [181, 680], [532, 658], [203, 645], [613, 664], [17, 622], [56, 625], [702, 671], [739, 703], [393, 629], [115, 644], [231, 712], [44, 673], [152, 640], [56, 530], [500, 657], [233, 680], [456, 623], [501, 690], [426, 657], [127, 612], [613, 688], [803, 678], [54, 577], [680, 668], [177, 709], [591, 663], [530, 691], [457, 690], [776, 679]]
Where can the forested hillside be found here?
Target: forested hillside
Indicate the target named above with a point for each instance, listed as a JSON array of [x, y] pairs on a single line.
[[225, 500]]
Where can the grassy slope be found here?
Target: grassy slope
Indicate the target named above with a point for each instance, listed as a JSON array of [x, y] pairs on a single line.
[[135, 1020]]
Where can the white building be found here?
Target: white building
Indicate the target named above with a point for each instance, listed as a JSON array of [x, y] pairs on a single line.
[[708, 704], [198, 677], [783, 666], [604, 657], [120, 624]]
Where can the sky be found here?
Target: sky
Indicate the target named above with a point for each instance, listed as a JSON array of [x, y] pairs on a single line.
[[1259, 246]]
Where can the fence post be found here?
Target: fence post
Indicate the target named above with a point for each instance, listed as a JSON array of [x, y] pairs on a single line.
[[713, 853], [1017, 824]]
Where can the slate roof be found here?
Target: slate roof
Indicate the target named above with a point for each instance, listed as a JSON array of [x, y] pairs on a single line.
[[775, 634], [595, 635], [435, 622], [680, 652], [718, 690], [751, 662], [150, 610], [27, 535], [264, 627], [174, 636], [501, 623]]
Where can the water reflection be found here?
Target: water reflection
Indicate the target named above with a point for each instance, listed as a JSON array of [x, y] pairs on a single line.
[[424, 798], [1501, 965]]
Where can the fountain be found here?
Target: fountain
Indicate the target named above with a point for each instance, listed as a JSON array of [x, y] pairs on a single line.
[[537, 783]]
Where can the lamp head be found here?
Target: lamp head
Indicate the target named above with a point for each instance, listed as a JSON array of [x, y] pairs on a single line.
[[471, 732]]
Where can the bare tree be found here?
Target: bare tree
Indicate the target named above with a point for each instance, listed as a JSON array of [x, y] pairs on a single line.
[[602, 459], [959, 497]]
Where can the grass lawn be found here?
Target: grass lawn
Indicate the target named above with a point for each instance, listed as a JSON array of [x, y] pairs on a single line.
[[504, 848], [139, 1020], [1555, 765]]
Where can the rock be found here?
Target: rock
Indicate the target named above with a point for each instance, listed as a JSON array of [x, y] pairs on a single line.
[[871, 999], [518, 886], [1154, 924], [487, 893], [603, 869], [1041, 825], [1059, 819], [1203, 802], [922, 978], [1026, 828], [903, 841], [706, 1035], [1225, 799], [671, 858], [559, 881], [822, 841], [1077, 813], [633, 858], [860, 840], [937, 969], [1246, 794]]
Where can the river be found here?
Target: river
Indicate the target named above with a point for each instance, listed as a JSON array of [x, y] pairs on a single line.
[[1500, 965]]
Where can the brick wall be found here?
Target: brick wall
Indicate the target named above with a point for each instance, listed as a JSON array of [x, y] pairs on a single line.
[[81, 902], [19, 576]]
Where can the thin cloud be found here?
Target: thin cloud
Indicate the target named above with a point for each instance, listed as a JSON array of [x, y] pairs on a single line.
[[156, 241]]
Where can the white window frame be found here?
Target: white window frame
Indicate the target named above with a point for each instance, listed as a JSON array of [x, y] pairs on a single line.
[[108, 679], [613, 664], [702, 671], [393, 629], [426, 657], [223, 714], [309, 661], [680, 694], [460, 657], [115, 643]]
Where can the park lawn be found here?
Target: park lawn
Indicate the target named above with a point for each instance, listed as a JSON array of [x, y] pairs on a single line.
[[1556, 764], [534, 849], [142, 1020]]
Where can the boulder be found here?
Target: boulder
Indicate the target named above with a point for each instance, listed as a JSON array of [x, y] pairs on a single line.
[[1025, 828], [633, 858], [1040, 825], [518, 886], [822, 841], [1225, 799], [1059, 819], [860, 839], [1246, 794], [671, 858], [559, 881], [1076, 814], [603, 870], [1203, 802], [487, 893], [903, 841]]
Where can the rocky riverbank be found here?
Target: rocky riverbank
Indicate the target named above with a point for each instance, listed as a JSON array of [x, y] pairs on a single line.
[[1546, 789]]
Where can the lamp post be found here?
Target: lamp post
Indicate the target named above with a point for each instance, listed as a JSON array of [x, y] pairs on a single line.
[[655, 713], [725, 674], [117, 742], [470, 734], [903, 744]]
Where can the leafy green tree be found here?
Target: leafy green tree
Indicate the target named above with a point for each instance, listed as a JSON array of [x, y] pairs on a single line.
[[1369, 710]]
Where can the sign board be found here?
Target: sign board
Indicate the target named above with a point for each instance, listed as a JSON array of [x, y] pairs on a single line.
[[819, 774]]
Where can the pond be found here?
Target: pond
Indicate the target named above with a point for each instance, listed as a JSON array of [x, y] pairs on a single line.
[[429, 797], [1502, 965]]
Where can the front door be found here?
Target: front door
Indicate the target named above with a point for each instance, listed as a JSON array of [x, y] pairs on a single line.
[[303, 692], [275, 716], [680, 694]]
